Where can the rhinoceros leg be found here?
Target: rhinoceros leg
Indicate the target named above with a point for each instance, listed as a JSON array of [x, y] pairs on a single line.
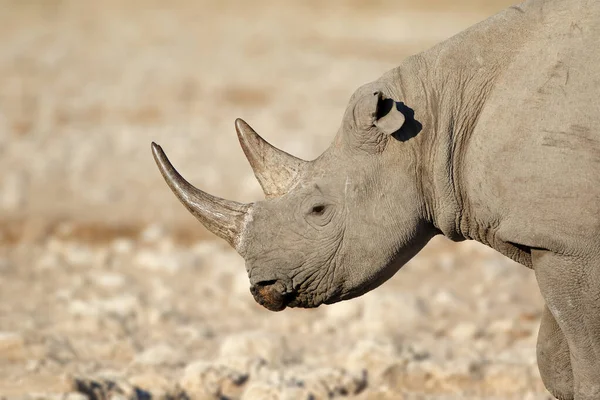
[[571, 287], [554, 358]]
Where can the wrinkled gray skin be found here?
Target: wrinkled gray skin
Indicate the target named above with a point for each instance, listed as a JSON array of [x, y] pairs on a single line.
[[503, 148]]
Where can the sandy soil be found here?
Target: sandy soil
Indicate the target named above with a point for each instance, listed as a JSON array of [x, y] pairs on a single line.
[[108, 289]]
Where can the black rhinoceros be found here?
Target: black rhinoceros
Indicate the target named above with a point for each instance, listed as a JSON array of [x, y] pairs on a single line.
[[492, 135]]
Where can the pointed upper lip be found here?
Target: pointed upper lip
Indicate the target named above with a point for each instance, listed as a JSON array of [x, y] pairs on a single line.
[[272, 295]]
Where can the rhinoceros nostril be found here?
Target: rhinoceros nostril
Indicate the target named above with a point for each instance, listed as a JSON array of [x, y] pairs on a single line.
[[270, 294], [267, 283]]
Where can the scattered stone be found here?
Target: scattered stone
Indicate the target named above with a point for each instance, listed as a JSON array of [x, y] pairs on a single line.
[[464, 331], [333, 382], [202, 379], [297, 393], [506, 380], [79, 255], [122, 306], [446, 298], [501, 326], [263, 391], [343, 311], [76, 396], [82, 308], [393, 377], [153, 260], [259, 344], [152, 382], [372, 356], [122, 246], [392, 312], [108, 390], [255, 367], [161, 354], [109, 280]]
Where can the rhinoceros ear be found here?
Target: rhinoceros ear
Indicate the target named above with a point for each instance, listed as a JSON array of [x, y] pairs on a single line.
[[389, 119]]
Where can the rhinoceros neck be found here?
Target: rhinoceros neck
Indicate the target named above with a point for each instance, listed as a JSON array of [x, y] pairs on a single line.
[[448, 86]]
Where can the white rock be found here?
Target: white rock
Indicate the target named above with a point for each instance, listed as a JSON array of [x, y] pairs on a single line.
[[373, 356], [43, 396], [343, 311], [206, 248], [122, 305], [508, 378], [252, 366], [501, 326], [298, 393], [82, 308], [76, 396], [153, 382], [495, 268], [79, 255], [109, 280], [464, 331], [161, 354], [201, 379], [157, 261], [259, 344], [325, 382], [224, 264], [122, 246], [153, 233], [391, 312], [445, 298], [261, 391]]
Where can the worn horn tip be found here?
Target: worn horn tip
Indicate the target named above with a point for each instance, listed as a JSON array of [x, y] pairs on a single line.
[[155, 148], [241, 126], [159, 155]]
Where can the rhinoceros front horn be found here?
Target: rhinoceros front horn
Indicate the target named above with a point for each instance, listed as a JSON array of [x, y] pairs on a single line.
[[275, 170], [224, 218]]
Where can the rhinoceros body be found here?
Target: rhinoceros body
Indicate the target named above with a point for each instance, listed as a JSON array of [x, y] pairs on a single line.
[[493, 135]]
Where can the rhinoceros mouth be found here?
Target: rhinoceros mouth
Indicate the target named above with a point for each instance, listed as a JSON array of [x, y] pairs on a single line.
[[272, 295]]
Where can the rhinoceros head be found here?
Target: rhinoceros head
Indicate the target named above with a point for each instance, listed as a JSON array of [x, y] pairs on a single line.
[[329, 229]]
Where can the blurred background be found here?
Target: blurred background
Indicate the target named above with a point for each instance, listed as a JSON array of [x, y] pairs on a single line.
[[105, 278]]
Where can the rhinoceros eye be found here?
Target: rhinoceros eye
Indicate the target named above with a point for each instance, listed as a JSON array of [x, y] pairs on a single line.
[[320, 215], [318, 210]]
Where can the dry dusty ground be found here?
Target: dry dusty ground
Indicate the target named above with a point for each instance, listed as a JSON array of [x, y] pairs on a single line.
[[108, 286]]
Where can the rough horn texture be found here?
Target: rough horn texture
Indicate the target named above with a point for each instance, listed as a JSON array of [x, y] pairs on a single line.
[[224, 218], [275, 170], [500, 144]]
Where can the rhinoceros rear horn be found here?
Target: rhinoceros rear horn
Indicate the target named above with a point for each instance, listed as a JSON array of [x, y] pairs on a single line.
[[275, 170], [224, 218]]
